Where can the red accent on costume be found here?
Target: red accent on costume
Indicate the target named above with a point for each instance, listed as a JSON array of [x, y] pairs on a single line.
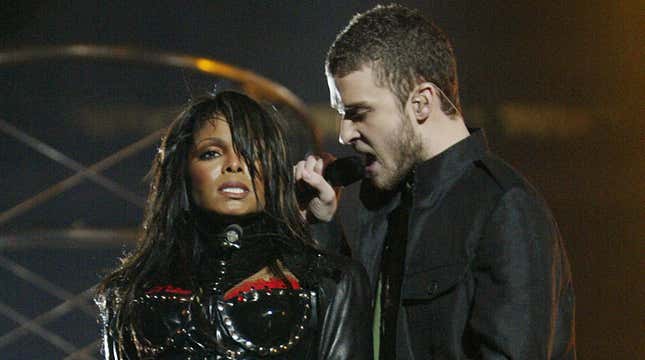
[[259, 284], [168, 289]]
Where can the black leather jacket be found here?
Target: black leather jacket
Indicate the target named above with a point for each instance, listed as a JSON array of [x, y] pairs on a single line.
[[485, 274], [329, 319]]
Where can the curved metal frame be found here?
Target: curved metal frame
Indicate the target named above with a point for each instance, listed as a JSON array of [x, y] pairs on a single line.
[[255, 85]]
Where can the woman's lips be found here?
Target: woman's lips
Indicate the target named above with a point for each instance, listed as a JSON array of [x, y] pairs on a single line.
[[234, 190]]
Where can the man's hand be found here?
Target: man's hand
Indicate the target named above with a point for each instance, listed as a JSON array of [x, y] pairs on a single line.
[[324, 204]]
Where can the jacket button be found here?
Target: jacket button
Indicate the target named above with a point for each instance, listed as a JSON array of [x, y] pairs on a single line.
[[432, 288]]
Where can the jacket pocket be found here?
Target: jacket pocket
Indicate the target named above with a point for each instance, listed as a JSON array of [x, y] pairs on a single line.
[[434, 304], [425, 285]]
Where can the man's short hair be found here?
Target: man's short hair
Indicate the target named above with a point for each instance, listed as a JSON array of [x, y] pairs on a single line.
[[402, 47]]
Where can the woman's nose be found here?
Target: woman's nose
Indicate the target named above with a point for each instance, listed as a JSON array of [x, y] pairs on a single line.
[[234, 165]]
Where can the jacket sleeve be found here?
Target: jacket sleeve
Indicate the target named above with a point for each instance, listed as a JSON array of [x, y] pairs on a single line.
[[347, 322], [523, 307], [331, 237], [110, 348]]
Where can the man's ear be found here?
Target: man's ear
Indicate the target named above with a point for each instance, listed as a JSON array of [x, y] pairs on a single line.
[[422, 101]]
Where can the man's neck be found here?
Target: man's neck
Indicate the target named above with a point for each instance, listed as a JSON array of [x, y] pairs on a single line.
[[443, 134]]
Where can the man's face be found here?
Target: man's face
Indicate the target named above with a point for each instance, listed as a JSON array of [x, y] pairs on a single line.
[[373, 122]]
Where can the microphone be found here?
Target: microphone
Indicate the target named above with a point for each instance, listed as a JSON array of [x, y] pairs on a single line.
[[340, 172], [344, 171]]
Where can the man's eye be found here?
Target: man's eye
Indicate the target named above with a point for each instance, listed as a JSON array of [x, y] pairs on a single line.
[[356, 116], [209, 154]]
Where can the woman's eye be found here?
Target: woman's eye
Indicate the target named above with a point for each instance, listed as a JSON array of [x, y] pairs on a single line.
[[209, 154]]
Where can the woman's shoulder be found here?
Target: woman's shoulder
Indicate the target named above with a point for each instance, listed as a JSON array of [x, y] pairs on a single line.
[[108, 293], [117, 292]]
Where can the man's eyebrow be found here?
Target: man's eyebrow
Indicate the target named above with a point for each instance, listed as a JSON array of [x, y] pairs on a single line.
[[352, 109]]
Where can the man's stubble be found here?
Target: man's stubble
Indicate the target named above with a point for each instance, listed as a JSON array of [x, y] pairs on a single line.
[[406, 147]]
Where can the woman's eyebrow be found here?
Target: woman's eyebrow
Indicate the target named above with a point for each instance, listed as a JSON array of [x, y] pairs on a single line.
[[212, 141]]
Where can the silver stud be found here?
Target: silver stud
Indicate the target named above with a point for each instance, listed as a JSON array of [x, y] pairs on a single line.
[[232, 236]]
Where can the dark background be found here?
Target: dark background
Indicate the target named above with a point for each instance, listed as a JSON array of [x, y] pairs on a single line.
[[558, 88]]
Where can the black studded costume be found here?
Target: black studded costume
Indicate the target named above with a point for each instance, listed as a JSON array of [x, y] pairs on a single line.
[[322, 313]]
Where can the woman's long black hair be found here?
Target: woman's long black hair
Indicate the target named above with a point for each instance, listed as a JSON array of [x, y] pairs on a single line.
[[166, 247]]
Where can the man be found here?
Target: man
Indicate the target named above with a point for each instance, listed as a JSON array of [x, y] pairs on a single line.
[[464, 257]]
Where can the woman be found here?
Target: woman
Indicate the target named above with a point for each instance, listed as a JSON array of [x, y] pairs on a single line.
[[225, 267]]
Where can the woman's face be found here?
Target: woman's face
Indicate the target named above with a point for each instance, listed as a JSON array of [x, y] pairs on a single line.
[[220, 179]]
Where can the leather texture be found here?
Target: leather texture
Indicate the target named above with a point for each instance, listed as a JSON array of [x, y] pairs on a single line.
[[330, 318]]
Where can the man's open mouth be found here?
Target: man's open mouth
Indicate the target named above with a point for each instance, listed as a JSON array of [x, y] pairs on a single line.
[[369, 159]]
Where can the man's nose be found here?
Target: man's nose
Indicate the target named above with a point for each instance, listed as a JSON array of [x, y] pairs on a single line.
[[347, 132]]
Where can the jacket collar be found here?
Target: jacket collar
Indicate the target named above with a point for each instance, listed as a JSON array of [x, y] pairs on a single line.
[[428, 177], [441, 170]]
